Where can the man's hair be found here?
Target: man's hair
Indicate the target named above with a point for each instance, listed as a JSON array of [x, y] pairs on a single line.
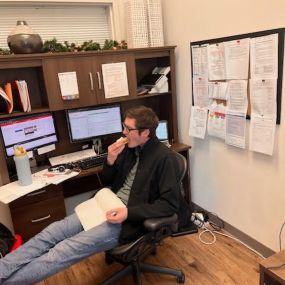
[[145, 118]]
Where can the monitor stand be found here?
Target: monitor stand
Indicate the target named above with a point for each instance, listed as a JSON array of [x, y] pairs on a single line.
[[97, 145]]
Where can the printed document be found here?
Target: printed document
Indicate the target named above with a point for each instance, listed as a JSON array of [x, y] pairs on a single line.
[[216, 62], [92, 212], [200, 92], [237, 95], [237, 59], [263, 96], [68, 85], [200, 60], [217, 121], [262, 133], [264, 57], [235, 129], [115, 79], [198, 122], [218, 90]]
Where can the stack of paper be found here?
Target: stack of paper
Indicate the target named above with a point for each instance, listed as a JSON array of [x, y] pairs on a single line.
[[24, 96]]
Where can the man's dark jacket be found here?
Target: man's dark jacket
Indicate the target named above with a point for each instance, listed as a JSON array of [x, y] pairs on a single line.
[[155, 191]]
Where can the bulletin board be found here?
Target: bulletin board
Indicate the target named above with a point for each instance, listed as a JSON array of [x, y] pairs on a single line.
[[280, 33]]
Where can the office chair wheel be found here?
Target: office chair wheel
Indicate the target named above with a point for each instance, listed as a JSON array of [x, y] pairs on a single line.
[[181, 279]]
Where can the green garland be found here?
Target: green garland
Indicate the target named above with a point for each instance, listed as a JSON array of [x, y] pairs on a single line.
[[54, 46]]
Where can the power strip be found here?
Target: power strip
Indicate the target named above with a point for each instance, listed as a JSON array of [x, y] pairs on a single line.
[[199, 219]]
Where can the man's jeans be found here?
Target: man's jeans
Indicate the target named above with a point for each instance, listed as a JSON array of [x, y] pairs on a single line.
[[57, 247]]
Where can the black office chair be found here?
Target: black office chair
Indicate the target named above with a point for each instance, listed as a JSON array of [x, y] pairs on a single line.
[[132, 254]]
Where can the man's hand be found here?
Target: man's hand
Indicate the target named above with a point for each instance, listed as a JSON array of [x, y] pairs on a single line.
[[113, 151], [117, 215]]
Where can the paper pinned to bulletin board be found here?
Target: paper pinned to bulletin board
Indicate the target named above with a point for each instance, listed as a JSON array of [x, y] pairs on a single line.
[[68, 85]]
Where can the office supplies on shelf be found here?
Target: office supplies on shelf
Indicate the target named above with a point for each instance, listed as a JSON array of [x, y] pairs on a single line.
[[71, 157], [5, 102], [92, 161], [157, 81]]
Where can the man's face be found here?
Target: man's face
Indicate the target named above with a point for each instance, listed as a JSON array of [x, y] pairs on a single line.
[[135, 138]]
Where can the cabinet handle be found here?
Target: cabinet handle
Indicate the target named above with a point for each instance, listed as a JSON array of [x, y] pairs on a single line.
[[91, 81], [99, 80], [41, 219], [36, 193]]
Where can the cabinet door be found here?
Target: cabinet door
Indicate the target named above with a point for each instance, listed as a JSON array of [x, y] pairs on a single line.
[[83, 66], [115, 79]]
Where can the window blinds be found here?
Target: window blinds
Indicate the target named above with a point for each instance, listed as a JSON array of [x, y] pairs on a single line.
[[65, 22]]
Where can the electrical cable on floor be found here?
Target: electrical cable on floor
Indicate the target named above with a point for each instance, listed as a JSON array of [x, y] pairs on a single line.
[[204, 225], [280, 239]]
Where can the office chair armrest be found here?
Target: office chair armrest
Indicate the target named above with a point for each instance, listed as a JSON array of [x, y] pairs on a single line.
[[156, 223]]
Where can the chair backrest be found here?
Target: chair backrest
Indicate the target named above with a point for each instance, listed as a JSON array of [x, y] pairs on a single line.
[[181, 166]]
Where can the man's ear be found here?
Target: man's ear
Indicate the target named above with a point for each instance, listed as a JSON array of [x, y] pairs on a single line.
[[145, 133]]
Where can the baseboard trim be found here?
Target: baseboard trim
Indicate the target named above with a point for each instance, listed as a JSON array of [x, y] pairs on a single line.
[[254, 244]]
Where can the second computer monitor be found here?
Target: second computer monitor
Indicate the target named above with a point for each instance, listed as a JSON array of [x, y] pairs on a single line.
[[94, 122], [162, 131]]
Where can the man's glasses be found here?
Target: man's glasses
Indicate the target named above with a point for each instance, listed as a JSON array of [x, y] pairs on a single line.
[[128, 129]]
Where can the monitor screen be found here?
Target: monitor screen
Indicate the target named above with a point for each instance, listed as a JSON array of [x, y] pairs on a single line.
[[30, 132], [162, 131], [90, 123]]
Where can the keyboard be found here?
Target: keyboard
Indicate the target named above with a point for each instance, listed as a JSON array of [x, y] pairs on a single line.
[[91, 161]]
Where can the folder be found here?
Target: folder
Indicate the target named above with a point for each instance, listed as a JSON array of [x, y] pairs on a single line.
[[4, 101], [8, 91]]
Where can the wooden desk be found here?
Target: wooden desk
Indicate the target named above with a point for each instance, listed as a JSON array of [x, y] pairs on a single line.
[[273, 276]]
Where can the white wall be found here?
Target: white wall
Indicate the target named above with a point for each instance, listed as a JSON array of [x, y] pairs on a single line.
[[244, 188]]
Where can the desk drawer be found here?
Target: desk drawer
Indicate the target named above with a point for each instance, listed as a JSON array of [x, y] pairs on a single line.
[[30, 219], [47, 192]]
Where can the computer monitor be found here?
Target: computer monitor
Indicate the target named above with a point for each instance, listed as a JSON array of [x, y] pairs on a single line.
[[30, 132], [162, 131], [93, 122]]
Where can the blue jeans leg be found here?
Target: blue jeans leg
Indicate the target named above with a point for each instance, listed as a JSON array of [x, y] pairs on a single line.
[[57, 247]]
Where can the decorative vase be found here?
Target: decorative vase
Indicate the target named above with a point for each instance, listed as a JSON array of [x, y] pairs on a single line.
[[23, 39]]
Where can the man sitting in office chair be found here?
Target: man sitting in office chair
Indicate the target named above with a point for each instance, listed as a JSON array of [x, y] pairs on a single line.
[[142, 175]]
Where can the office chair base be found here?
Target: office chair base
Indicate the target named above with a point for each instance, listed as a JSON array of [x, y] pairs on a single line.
[[137, 267]]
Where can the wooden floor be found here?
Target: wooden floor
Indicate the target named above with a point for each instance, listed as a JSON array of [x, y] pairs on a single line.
[[226, 262]]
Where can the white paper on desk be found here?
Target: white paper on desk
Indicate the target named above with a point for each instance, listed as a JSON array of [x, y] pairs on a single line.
[[262, 133], [263, 96], [264, 57], [237, 59], [49, 177], [216, 61], [235, 129], [200, 92], [200, 60], [115, 79], [198, 122], [14, 190], [237, 95]]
